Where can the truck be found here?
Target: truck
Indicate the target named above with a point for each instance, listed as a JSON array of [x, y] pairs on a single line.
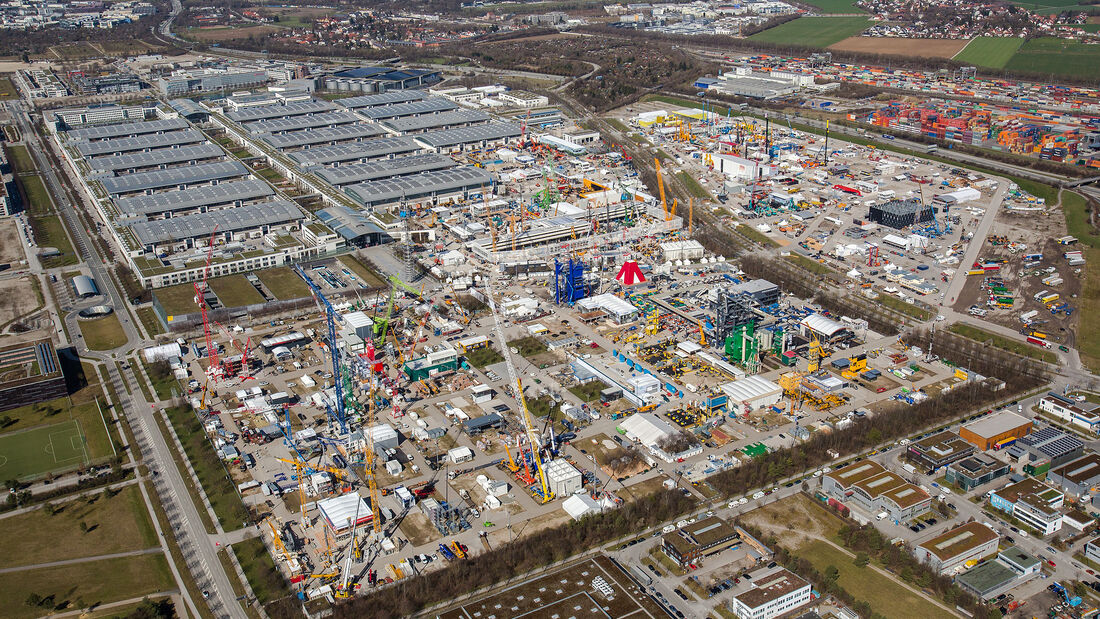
[[1038, 342], [446, 552]]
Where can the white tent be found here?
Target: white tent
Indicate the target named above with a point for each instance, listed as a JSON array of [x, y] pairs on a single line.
[[646, 428]]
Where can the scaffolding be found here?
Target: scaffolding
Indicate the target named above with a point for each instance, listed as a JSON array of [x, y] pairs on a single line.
[[734, 311]]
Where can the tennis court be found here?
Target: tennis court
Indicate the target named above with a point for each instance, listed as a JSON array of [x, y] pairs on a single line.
[[43, 449]]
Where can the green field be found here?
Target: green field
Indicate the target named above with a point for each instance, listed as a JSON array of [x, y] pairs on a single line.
[[362, 271], [7, 89], [235, 291], [177, 300], [148, 318], [18, 156], [115, 523], [1004, 343], [93, 583], [835, 6], [40, 450], [481, 357], [814, 31], [694, 188], [1057, 57], [266, 581], [885, 596], [1050, 7], [219, 488], [992, 52], [103, 333], [283, 283]]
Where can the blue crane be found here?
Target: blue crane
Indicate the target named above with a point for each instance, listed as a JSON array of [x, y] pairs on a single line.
[[330, 316]]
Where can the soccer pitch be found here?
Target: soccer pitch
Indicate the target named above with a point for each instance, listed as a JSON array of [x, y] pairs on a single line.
[[43, 449]]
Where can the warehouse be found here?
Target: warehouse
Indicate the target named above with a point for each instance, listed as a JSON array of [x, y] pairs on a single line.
[[383, 169], [562, 478], [162, 158], [195, 200], [760, 290], [756, 392], [84, 287], [478, 137], [754, 86], [872, 488], [344, 134], [120, 146], [443, 120], [231, 224], [300, 123], [427, 187], [382, 99], [997, 428], [825, 328], [175, 177], [431, 105], [126, 130], [279, 110], [706, 537], [1078, 477], [646, 428], [1050, 446], [374, 79], [682, 250], [938, 450], [898, 214], [352, 152], [951, 550], [354, 227]]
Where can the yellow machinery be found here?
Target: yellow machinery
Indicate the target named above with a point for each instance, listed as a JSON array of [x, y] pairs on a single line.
[[702, 335], [661, 190], [817, 353], [796, 388], [653, 323], [856, 364], [277, 540]]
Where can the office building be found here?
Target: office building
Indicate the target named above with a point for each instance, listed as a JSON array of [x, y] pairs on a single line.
[[706, 537], [953, 549], [938, 450], [773, 595], [974, 471], [868, 486]]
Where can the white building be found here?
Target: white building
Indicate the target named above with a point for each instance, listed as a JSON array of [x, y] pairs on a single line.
[[771, 596], [756, 391], [682, 250], [646, 428], [619, 310], [458, 455], [646, 387], [338, 514], [740, 168], [580, 505], [524, 99], [562, 478]]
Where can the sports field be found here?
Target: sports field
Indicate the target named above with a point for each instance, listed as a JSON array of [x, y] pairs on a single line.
[[994, 52], [1057, 57], [42, 449], [814, 31]]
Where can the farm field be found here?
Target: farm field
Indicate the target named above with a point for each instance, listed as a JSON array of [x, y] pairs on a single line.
[[814, 31], [227, 33], [835, 6], [994, 52], [927, 48], [1057, 57]]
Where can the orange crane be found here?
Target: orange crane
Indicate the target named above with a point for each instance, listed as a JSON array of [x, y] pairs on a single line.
[[661, 189]]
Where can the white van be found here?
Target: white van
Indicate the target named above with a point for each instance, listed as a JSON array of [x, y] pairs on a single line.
[[758, 495]]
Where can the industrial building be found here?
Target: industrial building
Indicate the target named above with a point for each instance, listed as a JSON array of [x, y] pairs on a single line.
[[1045, 448], [953, 549], [354, 227], [439, 362], [353, 173], [706, 537], [162, 158], [999, 428], [125, 130], [939, 450], [1011, 568], [194, 200], [379, 79], [381, 99], [763, 292], [343, 515], [899, 214], [1084, 415], [173, 178], [442, 120], [324, 136], [489, 135], [145, 142], [32, 374], [209, 80], [975, 470], [102, 113], [355, 151], [435, 187], [755, 392], [870, 487], [186, 231], [1077, 478], [646, 428], [773, 595], [301, 123], [562, 478], [279, 110]]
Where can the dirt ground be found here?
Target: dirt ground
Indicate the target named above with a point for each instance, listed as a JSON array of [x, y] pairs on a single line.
[[222, 33], [793, 520], [928, 48], [19, 299], [418, 530], [11, 249]]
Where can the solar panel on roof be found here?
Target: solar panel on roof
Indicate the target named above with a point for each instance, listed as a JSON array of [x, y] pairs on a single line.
[[443, 119], [366, 149], [280, 111], [140, 142], [174, 176], [418, 184], [208, 195], [427, 106], [385, 168], [386, 98], [227, 220], [467, 135]]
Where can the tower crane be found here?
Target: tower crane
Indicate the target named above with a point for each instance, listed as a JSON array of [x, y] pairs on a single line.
[[212, 367], [533, 438]]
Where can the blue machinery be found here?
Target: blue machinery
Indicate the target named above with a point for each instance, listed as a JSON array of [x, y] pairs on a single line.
[[330, 318], [570, 284]]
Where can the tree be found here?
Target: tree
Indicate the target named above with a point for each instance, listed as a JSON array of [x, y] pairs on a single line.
[[49, 509], [861, 559], [832, 573], [907, 573], [33, 600], [83, 527]]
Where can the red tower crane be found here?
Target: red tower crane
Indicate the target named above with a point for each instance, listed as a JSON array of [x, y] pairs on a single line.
[[200, 299]]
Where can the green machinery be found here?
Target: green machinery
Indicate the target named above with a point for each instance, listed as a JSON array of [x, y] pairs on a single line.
[[742, 347]]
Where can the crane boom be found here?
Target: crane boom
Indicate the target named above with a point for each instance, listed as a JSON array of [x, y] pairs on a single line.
[[661, 186], [533, 438]]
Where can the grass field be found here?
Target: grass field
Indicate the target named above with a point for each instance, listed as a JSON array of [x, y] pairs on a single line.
[[1057, 57], [1088, 332], [103, 333], [885, 596], [96, 582], [50, 232], [756, 235], [148, 318], [267, 583], [40, 450], [7, 89], [694, 188], [589, 391], [481, 357], [835, 6], [177, 300], [284, 283], [1004, 343], [992, 52], [528, 346], [118, 523], [896, 304], [814, 31], [1049, 7], [362, 271], [809, 264], [235, 291], [18, 156]]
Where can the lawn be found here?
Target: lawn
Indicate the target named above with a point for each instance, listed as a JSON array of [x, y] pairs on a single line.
[[220, 489], [46, 436], [258, 566], [177, 300], [283, 283], [1039, 190], [148, 318], [809, 264], [1077, 219], [118, 523], [992, 52], [755, 235], [1004, 343], [814, 31], [835, 6], [365, 273], [165, 385], [235, 291], [18, 155], [1088, 338], [96, 582], [589, 391], [484, 356], [896, 304], [528, 346], [1057, 57], [885, 596], [50, 232], [693, 187], [103, 333], [1050, 7], [7, 89]]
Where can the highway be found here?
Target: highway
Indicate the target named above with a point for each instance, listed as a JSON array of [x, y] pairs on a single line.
[[197, 546]]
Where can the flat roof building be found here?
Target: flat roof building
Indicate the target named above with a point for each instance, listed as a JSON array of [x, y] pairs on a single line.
[[126, 130], [562, 478], [425, 187], [32, 374], [898, 214], [228, 223], [163, 158], [294, 141], [1078, 477], [442, 120], [352, 173], [868, 485], [120, 146], [773, 595], [988, 431], [706, 537], [491, 134], [1033, 503], [278, 110], [431, 105], [1084, 415], [477, 425], [174, 178], [356, 151], [194, 200], [939, 450], [381, 99], [951, 550], [976, 470], [301, 123], [1051, 444]]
